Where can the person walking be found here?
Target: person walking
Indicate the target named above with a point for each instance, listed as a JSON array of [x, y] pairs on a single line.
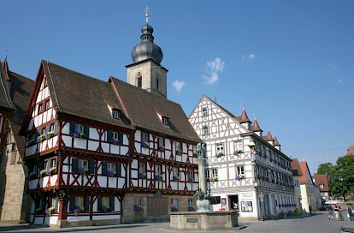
[[350, 213], [330, 213]]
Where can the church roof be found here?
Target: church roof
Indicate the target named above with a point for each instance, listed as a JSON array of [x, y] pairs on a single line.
[[142, 108], [244, 117], [255, 127], [5, 99], [79, 95]]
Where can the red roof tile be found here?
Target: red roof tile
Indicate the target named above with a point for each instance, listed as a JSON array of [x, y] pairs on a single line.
[[276, 142], [255, 127], [244, 117], [322, 180]]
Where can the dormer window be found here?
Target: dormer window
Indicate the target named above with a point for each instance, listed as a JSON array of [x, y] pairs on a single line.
[[116, 114], [165, 121], [205, 131]]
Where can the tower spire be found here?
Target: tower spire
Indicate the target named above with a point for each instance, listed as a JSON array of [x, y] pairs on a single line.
[[147, 14]]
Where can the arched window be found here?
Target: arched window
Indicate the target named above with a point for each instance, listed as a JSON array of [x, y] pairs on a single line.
[[205, 130], [204, 112], [139, 80]]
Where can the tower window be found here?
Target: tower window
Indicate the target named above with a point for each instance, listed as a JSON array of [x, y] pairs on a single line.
[[139, 80], [204, 112]]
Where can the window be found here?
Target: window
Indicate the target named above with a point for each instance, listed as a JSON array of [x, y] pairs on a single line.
[[54, 128], [40, 108], [175, 174], [174, 204], [161, 143], [213, 174], [46, 106], [82, 166], [321, 186], [116, 113], [178, 149], [190, 205], [296, 183], [204, 112], [246, 206], [78, 131], [144, 139], [111, 169], [79, 204], [158, 172], [190, 175], [205, 131], [219, 149], [54, 204], [142, 170], [238, 147], [115, 137], [138, 80], [240, 172], [165, 121], [215, 200], [157, 84], [105, 204]]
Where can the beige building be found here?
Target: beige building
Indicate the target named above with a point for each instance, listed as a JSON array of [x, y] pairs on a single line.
[[15, 91]]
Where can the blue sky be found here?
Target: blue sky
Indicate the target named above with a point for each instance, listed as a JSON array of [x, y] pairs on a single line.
[[290, 62]]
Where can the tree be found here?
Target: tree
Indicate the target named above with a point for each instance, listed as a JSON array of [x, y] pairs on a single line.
[[325, 169], [341, 178]]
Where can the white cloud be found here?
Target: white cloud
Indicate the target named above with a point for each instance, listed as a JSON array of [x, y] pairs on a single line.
[[250, 56], [213, 68], [178, 85]]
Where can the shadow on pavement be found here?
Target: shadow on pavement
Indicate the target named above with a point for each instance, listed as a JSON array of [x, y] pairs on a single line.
[[21, 228]]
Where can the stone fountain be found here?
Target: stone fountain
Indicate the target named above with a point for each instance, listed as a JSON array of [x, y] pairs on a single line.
[[203, 218]]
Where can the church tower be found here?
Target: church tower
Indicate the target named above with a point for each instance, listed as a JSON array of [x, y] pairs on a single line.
[[145, 71]]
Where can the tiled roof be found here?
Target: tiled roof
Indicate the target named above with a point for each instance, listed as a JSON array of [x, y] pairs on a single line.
[[143, 108], [322, 180], [244, 117], [350, 150], [305, 172], [255, 127], [295, 168], [268, 136], [80, 95], [5, 100], [276, 142]]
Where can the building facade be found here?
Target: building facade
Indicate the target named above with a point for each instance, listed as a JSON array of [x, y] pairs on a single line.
[[322, 182], [15, 91], [245, 170], [109, 152]]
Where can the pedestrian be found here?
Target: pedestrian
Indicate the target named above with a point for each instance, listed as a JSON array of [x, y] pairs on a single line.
[[310, 208], [330, 213], [350, 213]]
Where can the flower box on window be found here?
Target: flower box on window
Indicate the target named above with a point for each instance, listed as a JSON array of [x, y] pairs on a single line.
[[215, 178], [175, 178], [50, 211], [41, 137], [174, 209], [53, 170], [84, 171], [220, 154], [238, 178], [142, 175], [44, 172], [138, 209], [51, 134], [191, 208], [158, 177], [239, 152], [109, 173]]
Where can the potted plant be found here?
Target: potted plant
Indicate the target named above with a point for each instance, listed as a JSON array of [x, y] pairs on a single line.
[[41, 137], [51, 134], [109, 173], [174, 209], [53, 170], [44, 172], [158, 177], [219, 154], [50, 211], [142, 175]]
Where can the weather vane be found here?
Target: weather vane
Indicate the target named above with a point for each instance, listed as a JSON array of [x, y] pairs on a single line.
[[147, 14]]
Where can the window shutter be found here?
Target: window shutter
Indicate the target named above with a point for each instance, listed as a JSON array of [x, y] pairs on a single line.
[[118, 167], [92, 166], [87, 131], [120, 136], [99, 204], [72, 128], [104, 168], [109, 136], [111, 203], [75, 165], [72, 203]]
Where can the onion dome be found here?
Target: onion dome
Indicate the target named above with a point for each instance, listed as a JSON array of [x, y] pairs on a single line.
[[147, 49], [255, 127], [244, 117]]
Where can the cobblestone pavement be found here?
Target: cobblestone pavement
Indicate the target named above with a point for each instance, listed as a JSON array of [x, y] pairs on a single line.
[[312, 224]]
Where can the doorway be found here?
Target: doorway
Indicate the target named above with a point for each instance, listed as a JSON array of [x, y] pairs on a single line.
[[233, 202]]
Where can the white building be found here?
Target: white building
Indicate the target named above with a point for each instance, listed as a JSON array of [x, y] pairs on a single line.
[[246, 170]]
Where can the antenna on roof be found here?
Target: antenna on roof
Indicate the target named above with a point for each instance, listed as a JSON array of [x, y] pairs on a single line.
[[254, 116], [147, 14]]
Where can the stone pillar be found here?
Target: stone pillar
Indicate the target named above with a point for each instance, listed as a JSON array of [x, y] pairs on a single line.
[[201, 150]]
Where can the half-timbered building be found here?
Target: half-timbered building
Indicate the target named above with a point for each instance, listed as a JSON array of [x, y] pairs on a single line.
[[245, 170], [102, 151], [15, 91]]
